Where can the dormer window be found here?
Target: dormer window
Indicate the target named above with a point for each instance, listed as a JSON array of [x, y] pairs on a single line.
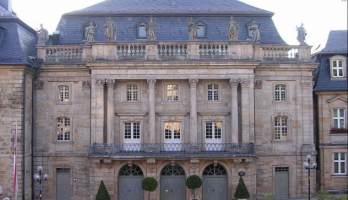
[[141, 32], [338, 67], [201, 30]]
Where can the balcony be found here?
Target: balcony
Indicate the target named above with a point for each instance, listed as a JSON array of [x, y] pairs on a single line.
[[163, 51], [175, 150]]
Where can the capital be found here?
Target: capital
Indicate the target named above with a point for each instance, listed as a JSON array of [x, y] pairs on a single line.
[[234, 82], [193, 82], [245, 82], [151, 81]]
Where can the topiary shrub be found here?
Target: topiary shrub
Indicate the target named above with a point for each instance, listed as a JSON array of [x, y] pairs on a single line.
[[103, 193], [149, 184], [241, 191], [194, 182]]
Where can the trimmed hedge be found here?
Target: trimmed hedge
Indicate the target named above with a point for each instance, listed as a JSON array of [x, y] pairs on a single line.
[[241, 191], [103, 193]]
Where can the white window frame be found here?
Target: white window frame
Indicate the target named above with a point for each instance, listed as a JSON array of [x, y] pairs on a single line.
[[139, 31], [339, 161], [336, 117], [281, 129], [63, 129], [135, 133], [338, 67], [64, 93], [280, 92], [132, 92], [213, 92], [172, 94], [204, 30], [173, 143]]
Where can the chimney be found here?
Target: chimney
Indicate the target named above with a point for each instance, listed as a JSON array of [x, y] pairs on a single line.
[[7, 4]]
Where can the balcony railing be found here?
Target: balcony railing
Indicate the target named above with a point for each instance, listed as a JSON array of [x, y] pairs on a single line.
[[172, 149], [173, 51]]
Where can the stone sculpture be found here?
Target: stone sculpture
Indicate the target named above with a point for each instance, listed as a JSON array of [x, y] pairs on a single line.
[[110, 30], [192, 30], [301, 35], [90, 31], [233, 30], [42, 35], [151, 30], [254, 31]]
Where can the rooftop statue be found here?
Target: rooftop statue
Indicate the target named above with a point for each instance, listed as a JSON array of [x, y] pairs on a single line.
[[110, 30], [151, 30], [42, 35], [233, 30], [192, 30], [90, 31], [301, 35], [254, 31]]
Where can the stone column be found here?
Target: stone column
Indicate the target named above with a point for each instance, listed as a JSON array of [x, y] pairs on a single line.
[[97, 115], [111, 112], [152, 111], [234, 110], [246, 123], [193, 111]]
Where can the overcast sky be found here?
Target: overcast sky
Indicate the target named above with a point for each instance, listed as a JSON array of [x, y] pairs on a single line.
[[318, 16]]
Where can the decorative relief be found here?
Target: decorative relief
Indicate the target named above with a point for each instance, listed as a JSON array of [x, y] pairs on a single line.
[[193, 82], [105, 81], [110, 30], [254, 31], [86, 84], [89, 32], [151, 31], [192, 30], [39, 84], [233, 30]]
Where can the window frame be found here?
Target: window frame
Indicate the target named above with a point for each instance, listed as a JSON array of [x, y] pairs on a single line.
[[140, 25], [65, 131], [133, 125], [279, 128], [64, 95], [213, 130], [172, 98], [339, 161], [215, 92], [335, 67], [132, 92], [205, 28], [281, 94], [172, 131], [338, 118]]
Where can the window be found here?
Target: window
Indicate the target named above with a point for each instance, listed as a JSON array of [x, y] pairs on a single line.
[[213, 92], [142, 31], [337, 68], [339, 163], [63, 129], [132, 92], [172, 130], [280, 92], [172, 92], [338, 118], [213, 130], [201, 30], [280, 127], [63, 93], [132, 130]]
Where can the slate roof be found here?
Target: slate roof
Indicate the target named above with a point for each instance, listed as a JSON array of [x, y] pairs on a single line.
[[17, 40], [336, 45], [171, 7]]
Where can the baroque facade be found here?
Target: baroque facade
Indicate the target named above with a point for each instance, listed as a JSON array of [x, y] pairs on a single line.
[[331, 111], [167, 90]]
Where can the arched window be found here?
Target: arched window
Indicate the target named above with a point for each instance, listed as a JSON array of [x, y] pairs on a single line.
[[130, 170], [173, 170], [142, 31], [280, 92], [214, 170], [201, 30], [280, 127], [63, 129]]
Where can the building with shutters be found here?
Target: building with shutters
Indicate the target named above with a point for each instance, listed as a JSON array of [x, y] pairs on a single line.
[[331, 93], [166, 89]]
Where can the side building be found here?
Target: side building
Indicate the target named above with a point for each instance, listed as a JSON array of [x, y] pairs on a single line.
[[168, 89], [17, 46], [331, 94]]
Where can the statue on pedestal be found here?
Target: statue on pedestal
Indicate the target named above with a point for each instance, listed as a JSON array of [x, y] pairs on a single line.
[[192, 30], [233, 30], [110, 30], [90, 32], [301, 35], [151, 31], [42, 35]]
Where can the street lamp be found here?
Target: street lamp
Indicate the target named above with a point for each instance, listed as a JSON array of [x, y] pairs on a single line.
[[40, 177], [309, 164]]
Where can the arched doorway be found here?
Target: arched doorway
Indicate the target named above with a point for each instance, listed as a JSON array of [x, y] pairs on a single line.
[[129, 183], [215, 182], [173, 183]]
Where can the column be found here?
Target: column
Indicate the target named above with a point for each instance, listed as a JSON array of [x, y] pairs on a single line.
[[97, 111], [193, 111], [234, 110], [110, 112], [152, 111], [246, 123]]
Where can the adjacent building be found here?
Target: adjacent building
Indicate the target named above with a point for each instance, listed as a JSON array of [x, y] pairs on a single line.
[[331, 94], [17, 45]]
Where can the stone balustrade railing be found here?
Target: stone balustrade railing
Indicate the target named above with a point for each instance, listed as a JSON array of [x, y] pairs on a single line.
[[173, 51]]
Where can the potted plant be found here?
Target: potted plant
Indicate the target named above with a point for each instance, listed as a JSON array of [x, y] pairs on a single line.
[[149, 184], [241, 191], [103, 193], [194, 182]]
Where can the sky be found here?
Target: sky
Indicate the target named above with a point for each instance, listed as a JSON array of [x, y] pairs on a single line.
[[318, 16]]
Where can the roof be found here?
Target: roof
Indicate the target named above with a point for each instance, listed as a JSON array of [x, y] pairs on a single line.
[[336, 43], [119, 7], [17, 40]]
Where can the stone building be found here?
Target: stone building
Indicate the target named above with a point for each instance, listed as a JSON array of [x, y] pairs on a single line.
[[166, 89], [17, 43], [331, 95]]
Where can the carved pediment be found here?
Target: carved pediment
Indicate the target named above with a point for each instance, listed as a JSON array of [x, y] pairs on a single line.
[[338, 98]]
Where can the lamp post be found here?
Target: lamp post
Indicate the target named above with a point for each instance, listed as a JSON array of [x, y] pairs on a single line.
[[39, 176], [309, 164]]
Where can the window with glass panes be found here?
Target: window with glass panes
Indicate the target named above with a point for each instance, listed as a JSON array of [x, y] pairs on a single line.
[[337, 68], [172, 92], [340, 163], [213, 130], [280, 127], [63, 93], [172, 130], [280, 92], [201, 30], [339, 115], [132, 92], [63, 129], [213, 92], [131, 130], [142, 31]]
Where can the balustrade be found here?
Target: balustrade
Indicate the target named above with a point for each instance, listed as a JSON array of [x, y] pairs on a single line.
[[64, 54], [131, 51]]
